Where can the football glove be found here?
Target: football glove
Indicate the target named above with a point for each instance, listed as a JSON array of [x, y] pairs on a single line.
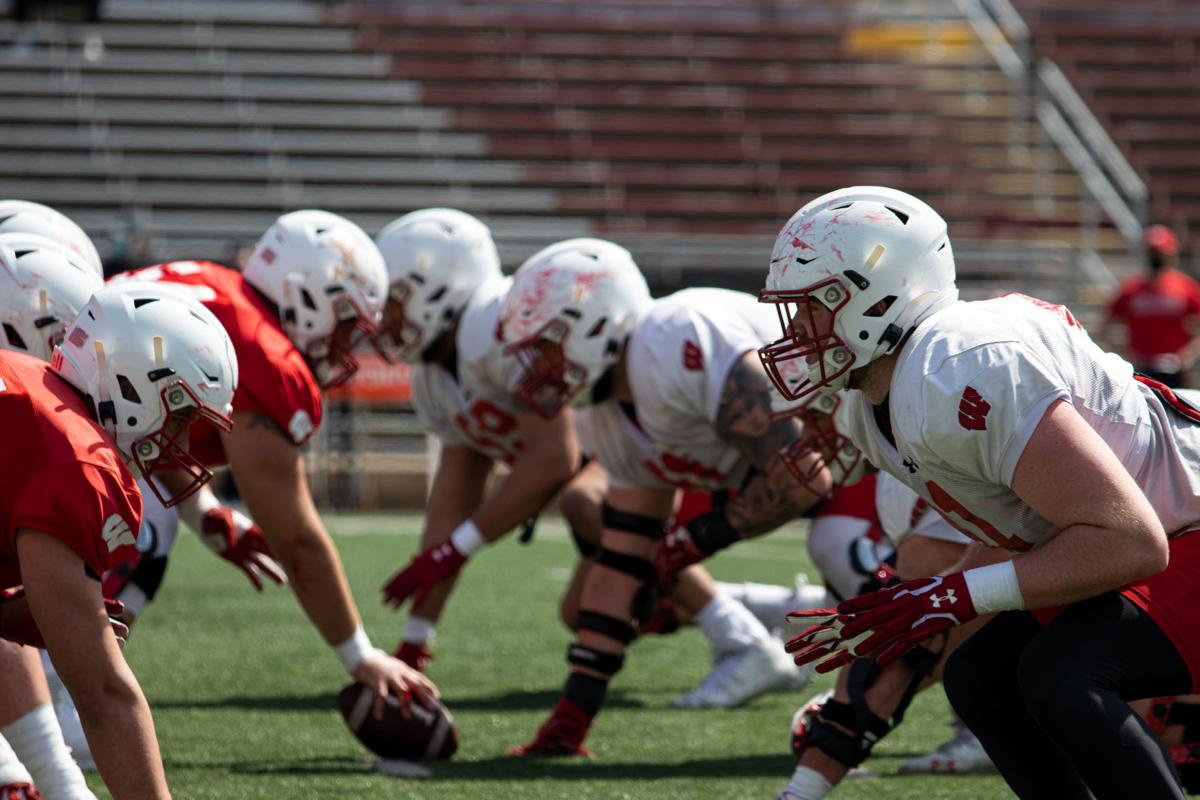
[[18, 625], [426, 570], [235, 538], [885, 624], [691, 543]]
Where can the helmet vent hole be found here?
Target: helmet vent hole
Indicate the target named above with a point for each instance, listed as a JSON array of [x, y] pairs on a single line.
[[127, 390], [307, 299], [599, 326], [416, 277], [843, 205], [144, 301], [438, 295], [900, 215], [880, 308], [21, 253], [573, 313], [13, 337], [942, 246]]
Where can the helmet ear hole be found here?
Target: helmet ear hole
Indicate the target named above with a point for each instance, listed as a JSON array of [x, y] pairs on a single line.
[[880, 308], [307, 300], [599, 326]]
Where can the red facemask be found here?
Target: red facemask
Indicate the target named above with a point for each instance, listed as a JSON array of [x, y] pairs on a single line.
[[798, 306], [166, 448]]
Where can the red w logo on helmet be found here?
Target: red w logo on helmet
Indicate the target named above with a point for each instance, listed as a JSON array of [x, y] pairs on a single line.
[[973, 410]]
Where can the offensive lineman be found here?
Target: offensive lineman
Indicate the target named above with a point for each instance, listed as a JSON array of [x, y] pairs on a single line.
[[1005, 416], [311, 291], [679, 401]]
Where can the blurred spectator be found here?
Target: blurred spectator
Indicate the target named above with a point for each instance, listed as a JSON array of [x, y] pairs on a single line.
[[130, 249], [1154, 321]]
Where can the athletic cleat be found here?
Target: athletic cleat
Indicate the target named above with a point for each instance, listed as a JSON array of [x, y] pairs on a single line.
[[962, 755], [802, 721], [561, 735], [744, 674], [415, 654], [19, 791], [771, 603]]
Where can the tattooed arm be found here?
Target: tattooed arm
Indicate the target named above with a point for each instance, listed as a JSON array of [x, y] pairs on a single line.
[[772, 496]]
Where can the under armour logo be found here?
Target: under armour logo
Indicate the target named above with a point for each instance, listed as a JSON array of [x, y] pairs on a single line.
[[910, 465], [116, 532], [948, 597], [973, 410]]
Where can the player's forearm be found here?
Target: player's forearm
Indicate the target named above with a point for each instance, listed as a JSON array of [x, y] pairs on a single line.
[[533, 482], [1084, 561], [120, 731], [319, 582], [770, 499]]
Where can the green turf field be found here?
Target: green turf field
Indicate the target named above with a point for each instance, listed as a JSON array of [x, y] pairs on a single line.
[[243, 690]]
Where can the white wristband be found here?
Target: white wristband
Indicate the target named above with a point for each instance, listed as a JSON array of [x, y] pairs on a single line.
[[994, 588], [192, 509], [467, 539], [355, 650]]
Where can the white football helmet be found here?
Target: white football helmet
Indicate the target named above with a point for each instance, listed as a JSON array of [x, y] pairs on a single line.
[[569, 311], [877, 259], [436, 258], [153, 360], [329, 283], [43, 285], [22, 216]]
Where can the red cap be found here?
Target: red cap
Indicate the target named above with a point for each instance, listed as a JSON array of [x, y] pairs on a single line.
[[1161, 239]]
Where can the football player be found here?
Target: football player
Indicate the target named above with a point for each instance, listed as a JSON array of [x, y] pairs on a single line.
[[135, 369], [43, 285], [679, 400], [310, 293], [442, 316], [1007, 418]]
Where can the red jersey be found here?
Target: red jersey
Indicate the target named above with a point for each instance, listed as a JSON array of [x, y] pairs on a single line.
[[62, 474], [1156, 310], [273, 377]]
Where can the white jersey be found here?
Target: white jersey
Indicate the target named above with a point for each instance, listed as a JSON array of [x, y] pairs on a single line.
[[678, 358], [477, 406], [902, 513], [970, 387]]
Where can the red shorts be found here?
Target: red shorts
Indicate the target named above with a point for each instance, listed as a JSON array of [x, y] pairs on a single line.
[[1172, 599]]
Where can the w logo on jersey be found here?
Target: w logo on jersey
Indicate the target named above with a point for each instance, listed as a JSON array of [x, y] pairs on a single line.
[[116, 532], [693, 358], [973, 410]]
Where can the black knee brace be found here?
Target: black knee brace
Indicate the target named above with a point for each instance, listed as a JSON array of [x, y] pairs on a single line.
[[863, 727], [637, 524], [645, 598], [607, 664]]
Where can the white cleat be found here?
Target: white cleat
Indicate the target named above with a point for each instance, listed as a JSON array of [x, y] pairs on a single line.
[[744, 674], [962, 755]]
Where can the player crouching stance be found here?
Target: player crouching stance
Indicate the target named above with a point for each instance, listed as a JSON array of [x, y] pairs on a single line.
[[679, 399], [1006, 417], [311, 292], [138, 366]]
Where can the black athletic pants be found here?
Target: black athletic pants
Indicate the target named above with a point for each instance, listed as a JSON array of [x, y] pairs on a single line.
[[1050, 703]]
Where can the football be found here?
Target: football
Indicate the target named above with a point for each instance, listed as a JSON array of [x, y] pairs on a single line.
[[428, 733]]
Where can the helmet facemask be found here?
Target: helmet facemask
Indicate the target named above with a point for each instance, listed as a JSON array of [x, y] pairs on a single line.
[[166, 448], [332, 357], [808, 336], [550, 380], [400, 340]]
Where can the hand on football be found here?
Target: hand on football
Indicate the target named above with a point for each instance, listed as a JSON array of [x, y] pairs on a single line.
[[885, 624], [232, 536], [675, 552], [18, 625], [390, 676], [426, 570]]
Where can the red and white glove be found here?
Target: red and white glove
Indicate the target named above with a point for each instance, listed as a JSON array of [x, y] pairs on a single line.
[[426, 570], [235, 538], [432, 566], [18, 625], [885, 624]]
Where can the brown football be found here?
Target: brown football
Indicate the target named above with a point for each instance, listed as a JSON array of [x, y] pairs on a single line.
[[428, 733]]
